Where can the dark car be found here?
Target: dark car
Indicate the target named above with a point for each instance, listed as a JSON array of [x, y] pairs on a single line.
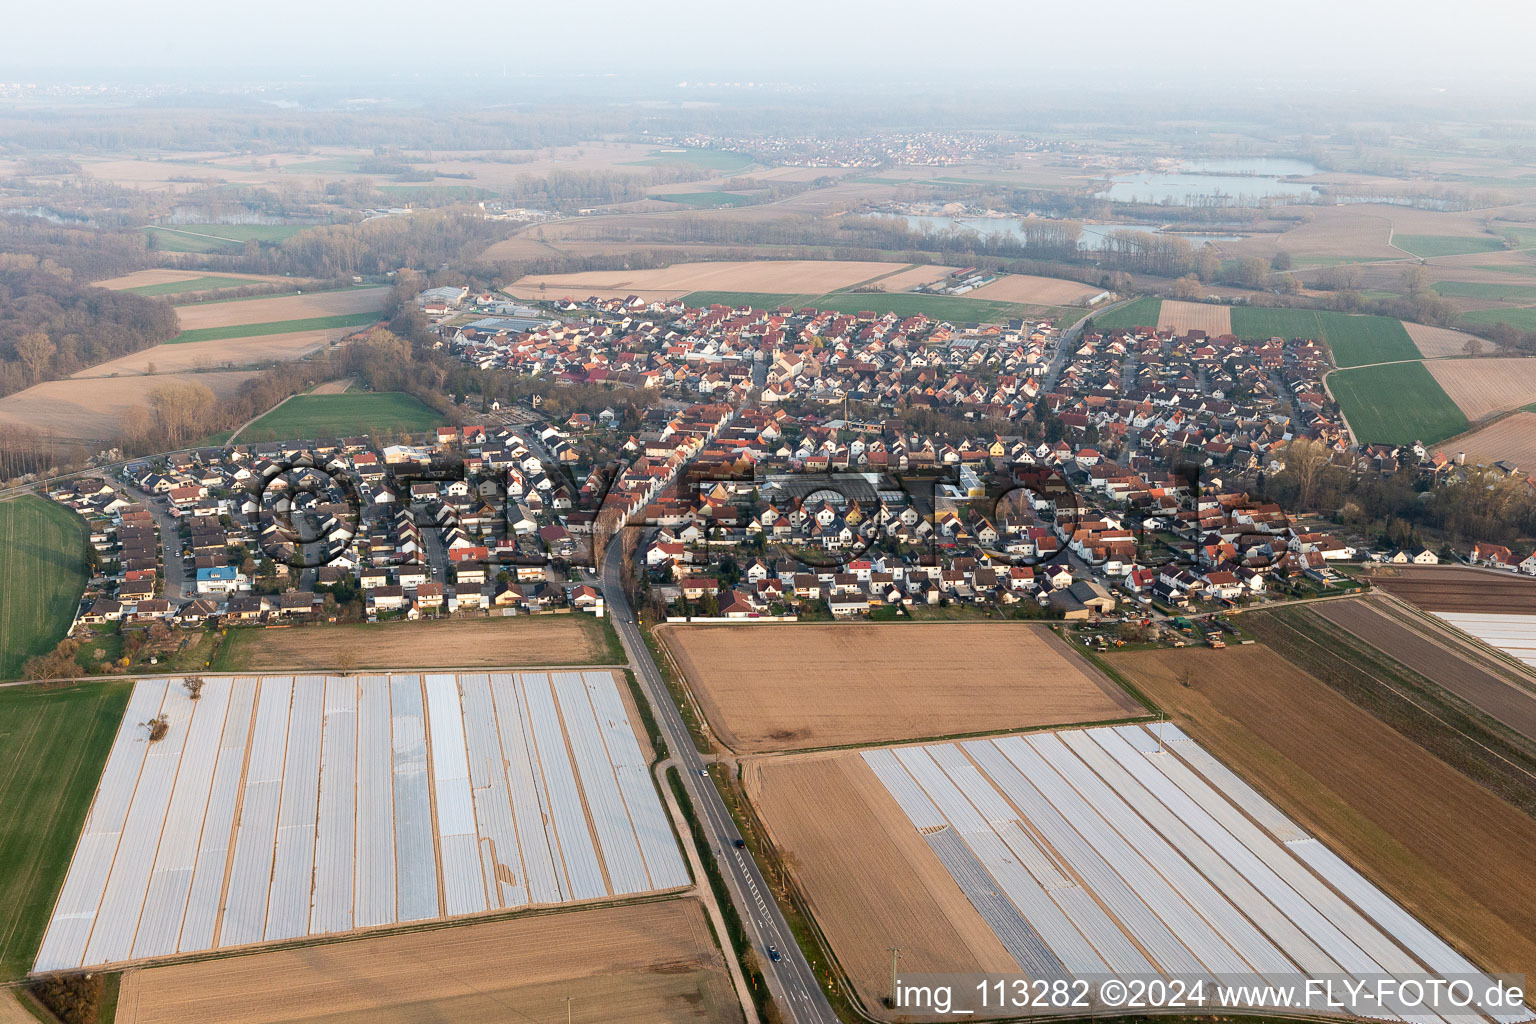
[[774, 954], [740, 844]]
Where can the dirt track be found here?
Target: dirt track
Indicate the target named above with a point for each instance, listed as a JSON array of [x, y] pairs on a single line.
[[1449, 851], [648, 963], [796, 687], [1458, 670], [871, 880]]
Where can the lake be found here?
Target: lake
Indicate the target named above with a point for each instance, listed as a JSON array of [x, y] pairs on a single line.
[[1237, 181], [1012, 228]]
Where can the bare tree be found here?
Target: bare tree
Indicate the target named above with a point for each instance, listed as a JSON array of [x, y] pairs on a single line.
[[346, 661], [194, 685], [35, 350], [158, 727]]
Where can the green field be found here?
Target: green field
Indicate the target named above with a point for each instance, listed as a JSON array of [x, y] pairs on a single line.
[[42, 572], [196, 284], [1482, 290], [1523, 317], [362, 412], [218, 237], [1509, 268], [1354, 340], [1396, 404], [55, 744], [1142, 312], [1446, 245], [757, 300], [313, 323], [714, 159], [704, 200]]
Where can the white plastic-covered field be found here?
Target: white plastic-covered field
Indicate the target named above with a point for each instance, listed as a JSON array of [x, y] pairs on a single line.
[[1511, 633], [280, 807], [1120, 853]]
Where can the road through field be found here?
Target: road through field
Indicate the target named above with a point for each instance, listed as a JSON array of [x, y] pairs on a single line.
[[791, 979]]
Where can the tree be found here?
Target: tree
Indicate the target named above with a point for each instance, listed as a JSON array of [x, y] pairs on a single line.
[[1186, 287], [35, 351], [158, 727], [1306, 460], [1281, 260], [346, 661], [1473, 347], [194, 685]]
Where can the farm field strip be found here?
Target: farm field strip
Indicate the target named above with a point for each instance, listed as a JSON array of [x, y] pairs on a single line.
[[280, 308], [1481, 387], [1512, 439], [1160, 860], [1199, 316], [1513, 634], [340, 414], [1458, 671], [1396, 403], [814, 685], [42, 575], [335, 785], [649, 963], [252, 329], [1458, 589], [1438, 342]]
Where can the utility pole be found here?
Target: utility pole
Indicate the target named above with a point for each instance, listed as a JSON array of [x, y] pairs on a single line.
[[568, 1009], [895, 955]]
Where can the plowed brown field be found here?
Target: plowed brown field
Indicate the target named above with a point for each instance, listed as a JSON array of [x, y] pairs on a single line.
[[792, 277], [795, 687], [1482, 387], [523, 640], [1457, 589], [283, 307], [1512, 439], [650, 963], [871, 881], [1041, 291], [1195, 316], [1434, 342], [1449, 851], [1437, 655]]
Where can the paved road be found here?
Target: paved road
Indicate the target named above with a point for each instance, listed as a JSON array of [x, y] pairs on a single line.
[[180, 585], [791, 980]]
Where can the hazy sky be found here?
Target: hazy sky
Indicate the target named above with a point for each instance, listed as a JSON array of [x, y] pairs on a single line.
[[1420, 44]]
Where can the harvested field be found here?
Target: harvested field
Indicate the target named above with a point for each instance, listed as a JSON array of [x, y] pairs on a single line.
[[530, 640], [158, 277], [1512, 439], [1195, 316], [792, 277], [906, 280], [1329, 234], [204, 355], [92, 409], [795, 687], [869, 878], [1407, 820], [1437, 654], [1039, 291], [280, 308], [1435, 342], [650, 963], [1453, 588], [1482, 387]]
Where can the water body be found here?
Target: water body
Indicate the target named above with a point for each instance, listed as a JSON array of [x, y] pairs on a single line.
[[48, 213], [1012, 228], [1245, 181]]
